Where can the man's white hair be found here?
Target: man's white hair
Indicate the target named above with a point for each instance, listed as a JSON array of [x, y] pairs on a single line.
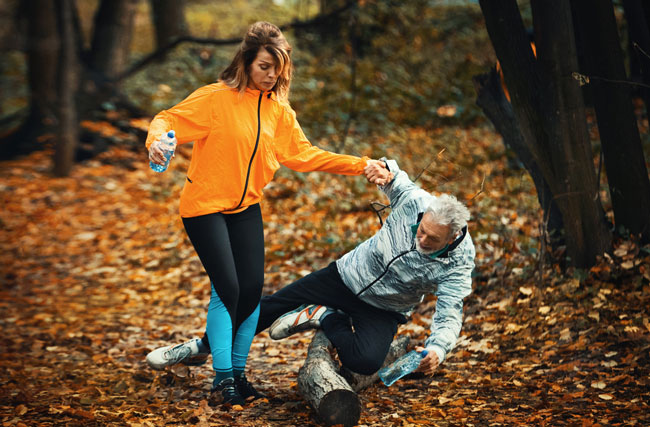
[[447, 210]]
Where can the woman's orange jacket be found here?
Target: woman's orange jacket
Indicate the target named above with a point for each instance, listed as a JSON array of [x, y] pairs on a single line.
[[240, 141]]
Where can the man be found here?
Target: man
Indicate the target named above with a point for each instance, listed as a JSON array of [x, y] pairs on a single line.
[[359, 300]]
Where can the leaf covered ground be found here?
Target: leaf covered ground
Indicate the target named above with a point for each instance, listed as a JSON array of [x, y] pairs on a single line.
[[96, 271]]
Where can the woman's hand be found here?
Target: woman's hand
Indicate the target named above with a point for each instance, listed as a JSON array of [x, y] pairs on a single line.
[[429, 363], [377, 173], [156, 153]]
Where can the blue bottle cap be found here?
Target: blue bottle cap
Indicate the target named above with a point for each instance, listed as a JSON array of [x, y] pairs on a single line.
[[171, 134], [424, 353]]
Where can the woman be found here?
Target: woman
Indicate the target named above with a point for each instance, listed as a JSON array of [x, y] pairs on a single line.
[[243, 128]]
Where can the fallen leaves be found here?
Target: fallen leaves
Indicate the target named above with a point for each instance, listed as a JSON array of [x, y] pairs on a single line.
[[97, 271]]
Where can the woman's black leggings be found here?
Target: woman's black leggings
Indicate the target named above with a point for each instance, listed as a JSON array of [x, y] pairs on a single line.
[[231, 249]]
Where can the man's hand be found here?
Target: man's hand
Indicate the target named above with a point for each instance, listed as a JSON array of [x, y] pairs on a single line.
[[430, 362], [156, 153], [377, 173]]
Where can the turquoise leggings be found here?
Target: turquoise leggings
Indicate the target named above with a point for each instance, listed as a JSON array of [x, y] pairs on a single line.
[[228, 354], [231, 249]]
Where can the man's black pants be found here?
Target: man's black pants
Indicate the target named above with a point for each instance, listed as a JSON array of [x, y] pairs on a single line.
[[361, 348]]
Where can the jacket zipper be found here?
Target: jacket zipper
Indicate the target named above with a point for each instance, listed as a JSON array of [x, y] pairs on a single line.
[[385, 270], [250, 163]]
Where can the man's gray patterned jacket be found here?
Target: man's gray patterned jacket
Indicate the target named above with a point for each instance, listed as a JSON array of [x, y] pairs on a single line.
[[387, 271]]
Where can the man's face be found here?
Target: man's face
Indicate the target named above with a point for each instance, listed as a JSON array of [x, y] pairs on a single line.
[[431, 236]]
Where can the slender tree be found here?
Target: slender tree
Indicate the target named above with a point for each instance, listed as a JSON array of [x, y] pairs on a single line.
[[550, 111], [639, 41], [112, 36], [42, 43], [42, 57], [168, 17], [68, 134], [627, 174]]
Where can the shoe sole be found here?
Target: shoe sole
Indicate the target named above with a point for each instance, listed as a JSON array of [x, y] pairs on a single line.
[[310, 324], [198, 361], [156, 367]]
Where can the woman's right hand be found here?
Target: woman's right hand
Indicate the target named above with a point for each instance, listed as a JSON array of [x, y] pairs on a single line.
[[156, 153]]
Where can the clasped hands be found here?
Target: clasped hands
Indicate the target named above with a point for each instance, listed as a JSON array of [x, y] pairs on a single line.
[[377, 173]]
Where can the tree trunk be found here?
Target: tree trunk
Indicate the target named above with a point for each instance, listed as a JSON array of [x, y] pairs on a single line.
[[571, 157], [169, 20], [42, 58], [639, 33], [497, 108], [550, 111], [627, 175], [112, 36], [68, 134]]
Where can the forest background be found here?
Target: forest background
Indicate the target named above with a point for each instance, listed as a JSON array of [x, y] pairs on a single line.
[[96, 269]]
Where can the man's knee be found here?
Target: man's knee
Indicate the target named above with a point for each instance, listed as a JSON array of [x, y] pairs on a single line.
[[363, 364]]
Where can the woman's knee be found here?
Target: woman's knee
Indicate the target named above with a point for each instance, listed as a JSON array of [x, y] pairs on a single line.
[[228, 294]]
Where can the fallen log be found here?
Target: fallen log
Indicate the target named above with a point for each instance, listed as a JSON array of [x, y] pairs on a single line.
[[322, 384]]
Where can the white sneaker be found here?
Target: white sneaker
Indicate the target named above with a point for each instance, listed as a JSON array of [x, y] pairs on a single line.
[[187, 353], [303, 318]]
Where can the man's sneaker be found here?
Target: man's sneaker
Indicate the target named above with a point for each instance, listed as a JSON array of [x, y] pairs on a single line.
[[225, 393], [246, 389], [195, 360], [187, 352], [303, 318]]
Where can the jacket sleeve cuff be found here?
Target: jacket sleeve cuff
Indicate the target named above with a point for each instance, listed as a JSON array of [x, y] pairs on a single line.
[[440, 352]]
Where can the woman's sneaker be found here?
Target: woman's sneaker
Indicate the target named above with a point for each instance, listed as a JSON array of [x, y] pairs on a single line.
[[303, 318], [246, 389], [225, 393], [188, 353]]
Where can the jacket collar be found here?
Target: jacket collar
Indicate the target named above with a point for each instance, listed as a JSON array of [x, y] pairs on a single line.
[[449, 248], [269, 94]]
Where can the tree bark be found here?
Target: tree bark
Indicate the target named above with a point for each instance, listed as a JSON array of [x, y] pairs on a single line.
[[42, 58], [68, 134], [112, 36], [495, 105], [550, 111], [331, 390], [639, 34], [321, 385], [169, 20], [627, 175]]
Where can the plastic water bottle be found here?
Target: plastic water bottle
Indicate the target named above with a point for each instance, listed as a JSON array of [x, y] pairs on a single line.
[[168, 145], [401, 367]]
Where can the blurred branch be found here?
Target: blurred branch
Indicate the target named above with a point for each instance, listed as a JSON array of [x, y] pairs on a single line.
[[160, 53], [427, 166], [479, 191], [584, 79], [637, 47]]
